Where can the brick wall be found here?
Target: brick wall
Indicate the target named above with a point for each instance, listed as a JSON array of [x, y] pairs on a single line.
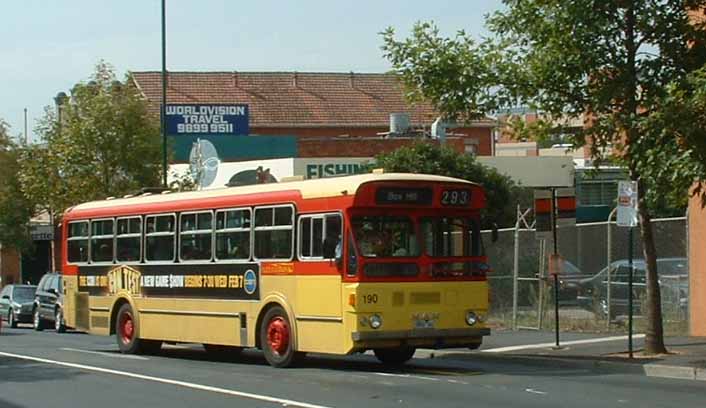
[[480, 137], [9, 266], [359, 147]]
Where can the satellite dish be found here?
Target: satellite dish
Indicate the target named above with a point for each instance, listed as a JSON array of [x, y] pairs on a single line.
[[203, 162]]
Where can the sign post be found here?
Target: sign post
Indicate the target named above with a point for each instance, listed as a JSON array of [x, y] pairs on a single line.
[[627, 217], [552, 207]]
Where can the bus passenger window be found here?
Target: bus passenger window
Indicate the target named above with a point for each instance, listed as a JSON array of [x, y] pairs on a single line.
[[274, 232], [196, 236], [332, 239], [128, 242], [102, 241], [233, 235], [159, 240], [77, 243]]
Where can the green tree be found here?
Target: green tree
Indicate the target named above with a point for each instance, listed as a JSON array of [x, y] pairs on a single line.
[[15, 209], [428, 158], [102, 142], [619, 64]]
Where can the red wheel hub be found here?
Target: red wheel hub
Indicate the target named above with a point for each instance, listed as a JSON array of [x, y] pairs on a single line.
[[278, 335], [127, 328]]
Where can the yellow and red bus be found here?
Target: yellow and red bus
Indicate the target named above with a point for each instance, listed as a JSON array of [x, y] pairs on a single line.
[[382, 262]]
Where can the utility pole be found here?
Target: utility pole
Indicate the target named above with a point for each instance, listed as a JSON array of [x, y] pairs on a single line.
[[164, 94]]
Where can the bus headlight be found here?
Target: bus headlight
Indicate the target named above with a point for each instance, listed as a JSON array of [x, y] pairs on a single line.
[[375, 321], [471, 318]]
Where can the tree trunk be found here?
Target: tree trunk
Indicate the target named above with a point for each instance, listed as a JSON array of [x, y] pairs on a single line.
[[654, 334]]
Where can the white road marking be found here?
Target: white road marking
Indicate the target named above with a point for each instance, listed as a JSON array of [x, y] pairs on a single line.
[[565, 343], [259, 397], [100, 353], [533, 391], [420, 377]]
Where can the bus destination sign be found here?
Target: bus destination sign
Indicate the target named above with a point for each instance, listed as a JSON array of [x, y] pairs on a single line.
[[401, 195], [456, 197]]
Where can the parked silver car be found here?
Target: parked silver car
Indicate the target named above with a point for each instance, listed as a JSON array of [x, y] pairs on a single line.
[[16, 304]]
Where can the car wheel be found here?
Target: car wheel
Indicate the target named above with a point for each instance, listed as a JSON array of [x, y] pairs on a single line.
[[127, 333], [59, 325], [11, 319], [37, 321], [394, 356], [276, 338]]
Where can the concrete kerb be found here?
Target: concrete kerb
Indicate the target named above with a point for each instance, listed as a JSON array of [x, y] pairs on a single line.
[[539, 361], [574, 362], [677, 372]]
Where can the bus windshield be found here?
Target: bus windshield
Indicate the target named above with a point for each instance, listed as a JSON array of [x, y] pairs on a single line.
[[385, 236], [396, 236], [450, 236]]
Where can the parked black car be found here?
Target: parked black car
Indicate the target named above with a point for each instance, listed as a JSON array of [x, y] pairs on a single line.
[[673, 280], [49, 303], [16, 304]]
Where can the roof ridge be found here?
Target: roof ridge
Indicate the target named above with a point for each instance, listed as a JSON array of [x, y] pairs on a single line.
[[346, 74]]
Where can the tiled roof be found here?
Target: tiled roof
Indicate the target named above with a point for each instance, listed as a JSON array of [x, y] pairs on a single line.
[[289, 99]]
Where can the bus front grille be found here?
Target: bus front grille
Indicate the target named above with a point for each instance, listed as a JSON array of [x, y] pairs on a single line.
[[425, 298]]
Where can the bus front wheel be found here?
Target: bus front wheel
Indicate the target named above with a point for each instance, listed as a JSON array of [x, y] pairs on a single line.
[[127, 334], [276, 338], [394, 356]]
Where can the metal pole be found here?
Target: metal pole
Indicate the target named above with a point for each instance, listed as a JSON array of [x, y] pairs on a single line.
[[164, 94], [610, 259], [26, 134], [556, 275], [516, 271], [630, 278]]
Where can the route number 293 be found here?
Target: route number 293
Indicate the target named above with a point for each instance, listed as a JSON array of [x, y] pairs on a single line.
[[370, 299]]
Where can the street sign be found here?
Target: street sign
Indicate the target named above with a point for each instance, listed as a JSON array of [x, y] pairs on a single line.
[[566, 207], [543, 214], [556, 264], [627, 204]]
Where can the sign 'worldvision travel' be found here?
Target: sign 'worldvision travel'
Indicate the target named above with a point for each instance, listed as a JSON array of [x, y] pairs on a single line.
[[207, 120]]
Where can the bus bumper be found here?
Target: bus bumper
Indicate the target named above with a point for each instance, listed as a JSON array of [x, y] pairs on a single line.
[[422, 338]]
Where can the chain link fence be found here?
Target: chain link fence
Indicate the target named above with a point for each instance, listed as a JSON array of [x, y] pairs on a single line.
[[592, 297]]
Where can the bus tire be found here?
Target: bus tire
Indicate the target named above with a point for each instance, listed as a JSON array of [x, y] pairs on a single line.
[[276, 338], [394, 356], [127, 334]]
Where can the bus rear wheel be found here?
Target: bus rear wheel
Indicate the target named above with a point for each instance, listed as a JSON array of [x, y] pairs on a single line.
[[394, 356], [127, 334], [276, 338]]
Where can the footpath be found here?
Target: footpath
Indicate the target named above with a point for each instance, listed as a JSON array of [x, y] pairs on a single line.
[[686, 357]]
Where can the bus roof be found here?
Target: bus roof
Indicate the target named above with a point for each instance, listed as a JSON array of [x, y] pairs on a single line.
[[316, 188]]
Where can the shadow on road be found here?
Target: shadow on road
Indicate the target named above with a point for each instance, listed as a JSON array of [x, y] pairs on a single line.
[[16, 370]]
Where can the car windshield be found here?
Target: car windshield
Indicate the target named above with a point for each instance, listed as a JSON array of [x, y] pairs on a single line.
[[385, 236], [23, 293]]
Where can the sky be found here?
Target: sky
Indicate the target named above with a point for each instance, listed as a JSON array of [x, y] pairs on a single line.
[[48, 46]]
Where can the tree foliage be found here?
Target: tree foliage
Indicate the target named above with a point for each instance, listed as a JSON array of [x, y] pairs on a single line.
[[15, 209], [628, 68], [102, 142], [427, 158]]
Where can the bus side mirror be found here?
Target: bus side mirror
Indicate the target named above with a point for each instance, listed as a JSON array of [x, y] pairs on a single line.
[[494, 233]]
